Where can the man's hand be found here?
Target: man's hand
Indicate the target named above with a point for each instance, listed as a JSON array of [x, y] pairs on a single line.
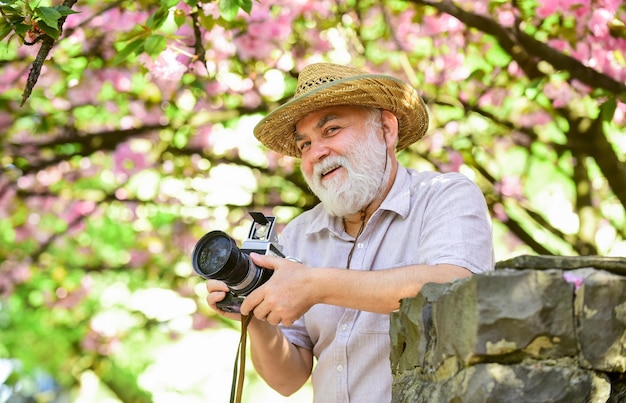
[[217, 291], [286, 296]]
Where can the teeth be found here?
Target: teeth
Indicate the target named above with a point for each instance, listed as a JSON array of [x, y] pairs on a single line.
[[330, 170]]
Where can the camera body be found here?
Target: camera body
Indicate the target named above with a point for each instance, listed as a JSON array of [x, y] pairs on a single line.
[[216, 256]]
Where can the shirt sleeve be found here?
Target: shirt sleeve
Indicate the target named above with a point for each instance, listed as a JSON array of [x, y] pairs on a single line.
[[457, 226]]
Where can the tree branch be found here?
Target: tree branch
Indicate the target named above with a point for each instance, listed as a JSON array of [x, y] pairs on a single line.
[[46, 47], [527, 51]]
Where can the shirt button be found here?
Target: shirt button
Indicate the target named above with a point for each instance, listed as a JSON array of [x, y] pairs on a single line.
[[344, 326], [360, 245], [339, 368]]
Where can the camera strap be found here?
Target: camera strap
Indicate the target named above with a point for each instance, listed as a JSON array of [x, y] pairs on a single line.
[[240, 362]]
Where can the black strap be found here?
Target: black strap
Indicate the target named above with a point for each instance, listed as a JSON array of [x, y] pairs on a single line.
[[240, 362]]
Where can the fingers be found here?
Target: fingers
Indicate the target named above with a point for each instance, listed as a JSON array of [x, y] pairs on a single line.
[[217, 292], [262, 313]]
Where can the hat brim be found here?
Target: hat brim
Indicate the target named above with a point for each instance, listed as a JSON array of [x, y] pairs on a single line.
[[276, 130]]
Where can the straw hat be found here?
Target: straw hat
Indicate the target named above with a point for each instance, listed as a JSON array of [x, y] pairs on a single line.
[[323, 84]]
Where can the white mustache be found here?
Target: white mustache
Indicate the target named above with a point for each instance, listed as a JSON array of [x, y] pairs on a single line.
[[328, 164]]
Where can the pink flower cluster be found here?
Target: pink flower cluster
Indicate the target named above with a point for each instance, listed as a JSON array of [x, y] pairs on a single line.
[[265, 32], [600, 49], [167, 67], [128, 161]]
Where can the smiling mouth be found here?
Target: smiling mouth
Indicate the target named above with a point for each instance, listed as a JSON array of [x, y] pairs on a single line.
[[330, 171]]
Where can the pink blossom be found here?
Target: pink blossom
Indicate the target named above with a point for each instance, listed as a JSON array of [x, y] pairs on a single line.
[[620, 113], [509, 186], [128, 161], [455, 68], [533, 119], [20, 272], [7, 203], [612, 5], [514, 69], [574, 279], [599, 22], [559, 44], [506, 18], [221, 43], [251, 99], [547, 8], [435, 141], [455, 160], [122, 20], [202, 139], [493, 97], [200, 321], [452, 127], [317, 43], [406, 31], [499, 213], [211, 9], [167, 67], [321, 8], [444, 23], [250, 47], [560, 93], [85, 93], [568, 4]]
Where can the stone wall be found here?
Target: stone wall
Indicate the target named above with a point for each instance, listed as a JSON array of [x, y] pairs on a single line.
[[538, 329]]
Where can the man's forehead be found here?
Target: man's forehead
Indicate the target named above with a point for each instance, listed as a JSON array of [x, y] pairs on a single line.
[[320, 116]]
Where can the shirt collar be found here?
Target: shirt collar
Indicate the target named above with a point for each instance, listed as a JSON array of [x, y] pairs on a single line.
[[398, 200]]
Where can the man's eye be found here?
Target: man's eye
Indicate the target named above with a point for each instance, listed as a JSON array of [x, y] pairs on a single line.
[[304, 145]]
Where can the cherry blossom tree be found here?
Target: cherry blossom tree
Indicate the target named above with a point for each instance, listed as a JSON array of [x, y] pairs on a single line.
[[126, 134]]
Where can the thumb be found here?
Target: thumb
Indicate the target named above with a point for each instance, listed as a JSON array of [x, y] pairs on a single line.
[[264, 261]]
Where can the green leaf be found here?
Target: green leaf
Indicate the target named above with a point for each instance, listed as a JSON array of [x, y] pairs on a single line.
[[246, 5], [155, 44], [228, 9], [5, 29], [157, 19], [7, 233], [498, 56], [65, 10], [49, 15], [169, 3], [134, 47], [179, 18], [50, 31], [607, 109], [139, 31]]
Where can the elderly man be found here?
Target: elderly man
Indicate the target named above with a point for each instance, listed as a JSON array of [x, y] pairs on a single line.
[[380, 233]]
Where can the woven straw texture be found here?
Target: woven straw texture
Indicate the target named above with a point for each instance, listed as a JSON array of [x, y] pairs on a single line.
[[323, 84]]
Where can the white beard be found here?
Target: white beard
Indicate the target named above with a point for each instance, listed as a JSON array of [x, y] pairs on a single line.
[[365, 169]]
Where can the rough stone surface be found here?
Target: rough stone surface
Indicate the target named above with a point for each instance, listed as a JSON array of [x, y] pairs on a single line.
[[411, 330], [515, 335], [509, 315], [615, 265], [532, 383], [601, 326]]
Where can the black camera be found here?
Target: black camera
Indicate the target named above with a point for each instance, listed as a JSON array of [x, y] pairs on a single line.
[[216, 256]]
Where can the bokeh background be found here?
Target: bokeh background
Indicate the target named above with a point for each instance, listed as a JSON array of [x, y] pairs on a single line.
[[126, 134]]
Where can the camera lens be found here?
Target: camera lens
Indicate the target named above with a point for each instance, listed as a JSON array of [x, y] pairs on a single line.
[[216, 256]]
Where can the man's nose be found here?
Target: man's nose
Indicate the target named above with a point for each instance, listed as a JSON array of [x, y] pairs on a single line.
[[319, 151]]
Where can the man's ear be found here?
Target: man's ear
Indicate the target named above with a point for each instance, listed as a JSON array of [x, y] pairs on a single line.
[[390, 128]]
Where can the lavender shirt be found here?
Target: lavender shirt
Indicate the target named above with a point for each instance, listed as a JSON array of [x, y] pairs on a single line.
[[427, 218]]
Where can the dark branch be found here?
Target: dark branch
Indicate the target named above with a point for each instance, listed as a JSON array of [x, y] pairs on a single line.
[[46, 47], [527, 51]]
